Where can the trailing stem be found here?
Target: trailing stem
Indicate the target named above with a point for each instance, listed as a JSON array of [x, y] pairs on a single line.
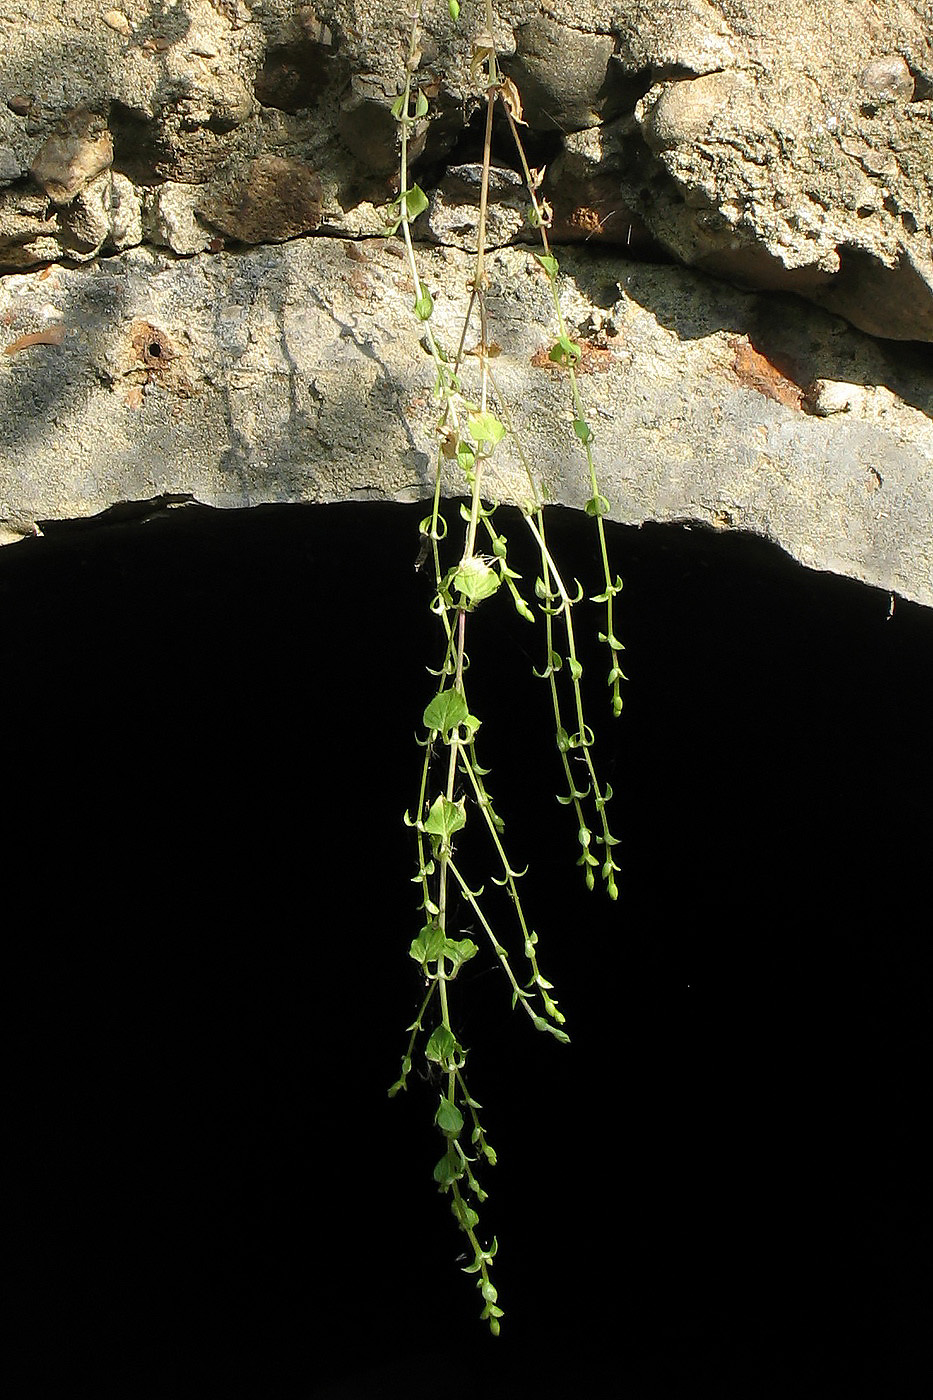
[[452, 786]]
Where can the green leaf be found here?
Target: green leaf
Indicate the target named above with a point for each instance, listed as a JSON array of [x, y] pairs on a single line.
[[476, 580], [492, 1314], [597, 505], [583, 430], [429, 945], [448, 1170], [421, 104], [441, 1046], [469, 727], [485, 427], [400, 1083], [453, 10], [564, 352], [446, 711], [466, 459], [448, 1118], [398, 107], [416, 201], [465, 1214], [424, 306], [540, 1024], [460, 950], [549, 263], [445, 817], [611, 590]]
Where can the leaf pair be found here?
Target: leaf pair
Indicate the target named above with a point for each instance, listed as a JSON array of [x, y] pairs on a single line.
[[432, 946]]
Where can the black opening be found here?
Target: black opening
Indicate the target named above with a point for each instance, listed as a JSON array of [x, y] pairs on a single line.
[[718, 1187]]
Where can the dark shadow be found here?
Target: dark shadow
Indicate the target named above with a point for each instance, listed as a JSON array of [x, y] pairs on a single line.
[[715, 1189]]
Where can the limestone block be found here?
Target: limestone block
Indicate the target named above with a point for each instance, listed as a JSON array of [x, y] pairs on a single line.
[[126, 227], [29, 229], [171, 220], [88, 219], [10, 168], [79, 150], [451, 214], [562, 74], [888, 79], [268, 200]]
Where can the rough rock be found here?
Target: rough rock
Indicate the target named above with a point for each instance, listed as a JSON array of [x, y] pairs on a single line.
[[450, 217], [562, 74], [783, 148], [73, 155], [10, 168], [787, 146], [805, 161], [270, 199]]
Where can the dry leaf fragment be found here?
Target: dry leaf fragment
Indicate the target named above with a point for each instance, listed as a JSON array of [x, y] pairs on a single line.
[[513, 101], [53, 336], [484, 46]]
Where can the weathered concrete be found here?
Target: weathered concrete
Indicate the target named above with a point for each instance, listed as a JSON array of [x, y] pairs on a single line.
[[233, 380]]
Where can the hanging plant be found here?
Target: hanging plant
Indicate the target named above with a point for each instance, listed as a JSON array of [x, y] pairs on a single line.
[[474, 423]]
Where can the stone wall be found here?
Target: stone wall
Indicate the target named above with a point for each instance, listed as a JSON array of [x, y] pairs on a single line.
[[197, 300]]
